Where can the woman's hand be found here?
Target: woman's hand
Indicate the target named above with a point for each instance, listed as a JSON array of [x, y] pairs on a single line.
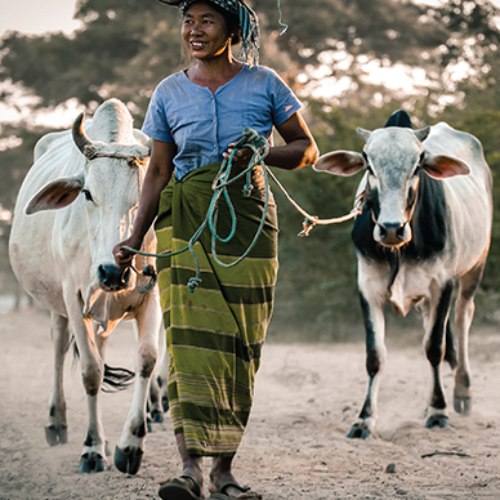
[[241, 158], [124, 257]]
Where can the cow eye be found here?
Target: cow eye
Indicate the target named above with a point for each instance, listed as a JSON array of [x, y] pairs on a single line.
[[87, 195], [367, 163]]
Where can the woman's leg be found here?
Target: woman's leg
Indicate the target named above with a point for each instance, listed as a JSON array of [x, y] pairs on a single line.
[[191, 468], [221, 474]]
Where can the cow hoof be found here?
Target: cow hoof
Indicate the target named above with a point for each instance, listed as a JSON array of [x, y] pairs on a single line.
[[462, 404], [164, 403], [359, 431], [56, 434], [92, 462], [157, 416], [149, 427], [440, 421], [128, 460]]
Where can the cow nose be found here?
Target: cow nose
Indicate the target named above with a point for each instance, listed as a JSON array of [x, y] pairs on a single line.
[[112, 278], [392, 233]]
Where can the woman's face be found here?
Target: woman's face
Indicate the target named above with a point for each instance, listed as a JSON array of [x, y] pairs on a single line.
[[205, 32]]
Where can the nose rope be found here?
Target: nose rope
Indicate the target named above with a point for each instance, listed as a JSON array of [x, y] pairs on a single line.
[[260, 148]]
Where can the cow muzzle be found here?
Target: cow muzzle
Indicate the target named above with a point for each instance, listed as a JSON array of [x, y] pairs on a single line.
[[392, 234], [113, 279]]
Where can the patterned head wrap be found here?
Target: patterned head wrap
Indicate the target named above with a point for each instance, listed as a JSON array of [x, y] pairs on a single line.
[[248, 20]]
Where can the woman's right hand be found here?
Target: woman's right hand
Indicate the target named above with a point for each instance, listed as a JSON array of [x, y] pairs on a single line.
[[124, 257]]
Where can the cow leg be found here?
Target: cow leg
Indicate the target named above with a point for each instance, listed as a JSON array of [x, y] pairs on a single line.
[[161, 372], [57, 430], [373, 316], [155, 410], [436, 321], [154, 406], [130, 448], [464, 312], [93, 458]]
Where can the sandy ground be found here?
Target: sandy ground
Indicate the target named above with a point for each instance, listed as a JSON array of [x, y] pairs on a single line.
[[307, 396]]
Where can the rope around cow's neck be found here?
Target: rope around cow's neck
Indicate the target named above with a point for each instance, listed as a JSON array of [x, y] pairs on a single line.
[[260, 147]]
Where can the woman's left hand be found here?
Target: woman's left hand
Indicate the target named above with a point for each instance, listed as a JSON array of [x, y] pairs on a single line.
[[241, 158]]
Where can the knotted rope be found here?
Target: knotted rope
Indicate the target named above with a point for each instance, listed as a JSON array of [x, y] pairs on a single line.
[[260, 147]]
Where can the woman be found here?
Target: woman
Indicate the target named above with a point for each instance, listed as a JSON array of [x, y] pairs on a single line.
[[215, 335]]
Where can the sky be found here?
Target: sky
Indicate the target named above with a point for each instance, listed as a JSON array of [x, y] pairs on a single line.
[[37, 16]]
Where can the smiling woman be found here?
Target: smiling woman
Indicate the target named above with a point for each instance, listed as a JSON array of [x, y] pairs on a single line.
[[215, 335]]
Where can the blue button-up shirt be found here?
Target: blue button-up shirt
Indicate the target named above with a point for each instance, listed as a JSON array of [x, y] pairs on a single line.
[[202, 124]]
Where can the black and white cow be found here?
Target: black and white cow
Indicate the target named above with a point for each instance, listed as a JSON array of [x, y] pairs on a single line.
[[426, 221]]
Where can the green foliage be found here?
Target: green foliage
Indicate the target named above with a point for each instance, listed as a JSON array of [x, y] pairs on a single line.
[[383, 28]]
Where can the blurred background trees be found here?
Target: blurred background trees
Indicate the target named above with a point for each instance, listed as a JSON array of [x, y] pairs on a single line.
[[353, 62]]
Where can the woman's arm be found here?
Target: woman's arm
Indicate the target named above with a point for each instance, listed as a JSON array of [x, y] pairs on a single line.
[[300, 148], [157, 176]]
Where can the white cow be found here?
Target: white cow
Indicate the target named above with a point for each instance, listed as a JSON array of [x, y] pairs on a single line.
[[426, 222], [79, 200]]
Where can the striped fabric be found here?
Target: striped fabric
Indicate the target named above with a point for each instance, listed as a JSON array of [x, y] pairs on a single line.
[[216, 334]]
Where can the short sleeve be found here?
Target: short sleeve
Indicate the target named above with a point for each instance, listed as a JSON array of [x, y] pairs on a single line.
[[155, 124], [285, 102]]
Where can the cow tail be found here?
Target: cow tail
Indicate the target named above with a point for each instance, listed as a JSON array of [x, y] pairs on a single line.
[[115, 379], [450, 354]]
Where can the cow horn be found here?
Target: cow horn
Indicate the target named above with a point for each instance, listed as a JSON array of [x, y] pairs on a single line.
[[363, 134], [422, 133], [79, 137]]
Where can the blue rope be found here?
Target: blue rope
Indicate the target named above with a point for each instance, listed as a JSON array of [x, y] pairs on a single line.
[[260, 147], [280, 19]]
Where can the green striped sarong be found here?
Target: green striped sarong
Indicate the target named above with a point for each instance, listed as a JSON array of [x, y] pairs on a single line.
[[216, 334]]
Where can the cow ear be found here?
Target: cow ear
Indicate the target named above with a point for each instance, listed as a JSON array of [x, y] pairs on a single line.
[[55, 195], [343, 163], [443, 167]]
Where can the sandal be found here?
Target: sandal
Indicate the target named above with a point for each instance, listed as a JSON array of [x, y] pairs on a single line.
[[222, 496], [179, 490]]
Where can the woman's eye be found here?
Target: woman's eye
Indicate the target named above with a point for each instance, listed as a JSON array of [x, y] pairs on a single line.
[[87, 195]]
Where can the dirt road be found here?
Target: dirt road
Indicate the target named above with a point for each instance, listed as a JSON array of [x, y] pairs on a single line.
[[307, 396]]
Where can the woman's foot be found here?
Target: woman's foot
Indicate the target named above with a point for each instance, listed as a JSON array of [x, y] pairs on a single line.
[[223, 481], [191, 481]]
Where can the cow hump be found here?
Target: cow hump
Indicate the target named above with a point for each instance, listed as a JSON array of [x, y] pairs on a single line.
[[399, 119]]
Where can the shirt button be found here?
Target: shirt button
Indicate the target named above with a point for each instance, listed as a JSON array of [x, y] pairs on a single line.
[[211, 97], [215, 145], [214, 121]]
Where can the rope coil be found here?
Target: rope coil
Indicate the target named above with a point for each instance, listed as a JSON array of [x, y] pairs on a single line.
[[260, 147]]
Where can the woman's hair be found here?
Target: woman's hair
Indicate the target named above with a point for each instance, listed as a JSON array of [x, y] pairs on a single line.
[[232, 20]]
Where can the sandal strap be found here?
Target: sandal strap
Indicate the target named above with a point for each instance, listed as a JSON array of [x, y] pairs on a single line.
[[196, 487], [223, 486]]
